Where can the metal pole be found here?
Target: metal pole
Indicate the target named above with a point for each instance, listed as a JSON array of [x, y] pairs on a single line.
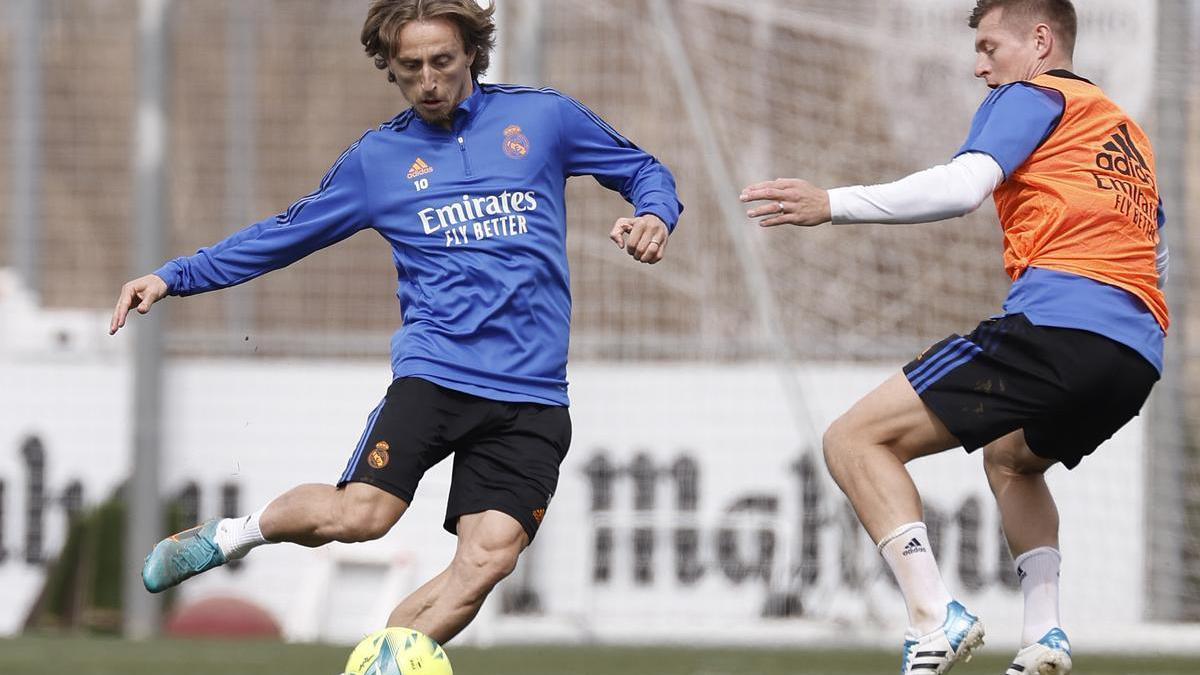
[[144, 520], [1167, 532], [25, 253], [526, 65], [240, 155]]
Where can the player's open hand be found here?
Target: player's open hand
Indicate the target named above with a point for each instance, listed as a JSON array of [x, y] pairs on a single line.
[[790, 201], [644, 237], [141, 292]]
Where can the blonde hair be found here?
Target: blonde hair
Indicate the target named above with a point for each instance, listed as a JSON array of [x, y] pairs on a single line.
[[1059, 14]]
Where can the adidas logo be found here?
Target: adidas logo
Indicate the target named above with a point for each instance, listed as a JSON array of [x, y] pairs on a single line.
[[419, 168], [1122, 156], [1021, 573], [914, 546]]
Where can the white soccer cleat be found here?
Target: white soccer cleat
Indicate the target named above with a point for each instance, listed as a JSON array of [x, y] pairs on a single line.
[[937, 652], [1049, 656]]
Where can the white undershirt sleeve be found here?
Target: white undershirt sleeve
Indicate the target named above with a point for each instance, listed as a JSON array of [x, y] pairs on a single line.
[[1162, 260], [944, 191]]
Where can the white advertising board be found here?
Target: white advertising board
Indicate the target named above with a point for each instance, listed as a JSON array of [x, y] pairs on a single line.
[[688, 509]]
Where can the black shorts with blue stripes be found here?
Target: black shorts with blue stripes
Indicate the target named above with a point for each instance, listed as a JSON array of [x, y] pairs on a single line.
[[1070, 390], [506, 455]]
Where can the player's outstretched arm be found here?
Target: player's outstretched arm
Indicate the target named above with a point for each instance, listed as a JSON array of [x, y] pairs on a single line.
[[944, 191], [142, 293], [789, 201], [643, 237]]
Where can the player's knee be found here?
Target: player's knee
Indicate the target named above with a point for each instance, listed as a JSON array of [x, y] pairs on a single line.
[[481, 568], [364, 520], [838, 446], [363, 526], [1006, 459], [999, 472]]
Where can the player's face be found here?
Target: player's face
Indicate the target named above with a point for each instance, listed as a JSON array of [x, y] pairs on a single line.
[[1004, 52], [433, 69]]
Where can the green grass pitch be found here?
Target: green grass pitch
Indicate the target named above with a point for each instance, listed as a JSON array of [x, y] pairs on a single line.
[[45, 655]]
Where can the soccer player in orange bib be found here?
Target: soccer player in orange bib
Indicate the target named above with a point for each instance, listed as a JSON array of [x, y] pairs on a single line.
[[1072, 358]]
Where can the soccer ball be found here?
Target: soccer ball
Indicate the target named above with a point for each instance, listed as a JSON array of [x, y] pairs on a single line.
[[398, 651]]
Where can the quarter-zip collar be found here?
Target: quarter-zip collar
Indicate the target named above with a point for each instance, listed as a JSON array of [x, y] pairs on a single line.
[[463, 115]]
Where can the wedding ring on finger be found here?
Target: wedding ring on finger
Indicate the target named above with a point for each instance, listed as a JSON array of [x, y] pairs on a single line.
[[782, 208]]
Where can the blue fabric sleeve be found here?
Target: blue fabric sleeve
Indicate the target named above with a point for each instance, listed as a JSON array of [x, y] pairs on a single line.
[[592, 148], [1012, 122], [336, 210], [1162, 215]]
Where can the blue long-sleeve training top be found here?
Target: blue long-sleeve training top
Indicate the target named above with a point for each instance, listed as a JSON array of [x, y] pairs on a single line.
[[476, 218]]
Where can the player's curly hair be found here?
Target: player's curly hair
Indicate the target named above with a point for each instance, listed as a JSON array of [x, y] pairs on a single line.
[[386, 18], [1059, 14]]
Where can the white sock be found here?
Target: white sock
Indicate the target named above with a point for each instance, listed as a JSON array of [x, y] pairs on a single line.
[[908, 553], [1038, 571], [236, 536]]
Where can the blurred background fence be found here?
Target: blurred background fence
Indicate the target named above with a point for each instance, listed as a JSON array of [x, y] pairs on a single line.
[[263, 95]]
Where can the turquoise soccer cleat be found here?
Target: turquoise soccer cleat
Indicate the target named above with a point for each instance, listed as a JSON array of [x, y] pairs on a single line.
[[182, 556], [937, 652], [1049, 656]]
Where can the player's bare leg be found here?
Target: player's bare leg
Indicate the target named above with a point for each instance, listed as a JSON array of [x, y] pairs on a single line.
[[489, 544], [310, 515], [1027, 510], [1030, 520], [866, 450], [314, 515]]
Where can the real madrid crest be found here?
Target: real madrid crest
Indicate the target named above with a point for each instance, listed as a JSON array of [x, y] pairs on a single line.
[[516, 145], [379, 456]]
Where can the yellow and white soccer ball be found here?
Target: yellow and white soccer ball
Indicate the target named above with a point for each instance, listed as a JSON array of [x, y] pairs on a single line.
[[398, 651]]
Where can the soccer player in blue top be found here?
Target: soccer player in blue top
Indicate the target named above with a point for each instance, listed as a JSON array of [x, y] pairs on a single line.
[[468, 188], [1069, 362]]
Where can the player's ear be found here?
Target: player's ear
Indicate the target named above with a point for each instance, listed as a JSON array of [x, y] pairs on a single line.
[[1043, 40], [471, 57]]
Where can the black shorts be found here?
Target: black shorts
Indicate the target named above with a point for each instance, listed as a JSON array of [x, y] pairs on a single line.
[[506, 455], [1070, 390]]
